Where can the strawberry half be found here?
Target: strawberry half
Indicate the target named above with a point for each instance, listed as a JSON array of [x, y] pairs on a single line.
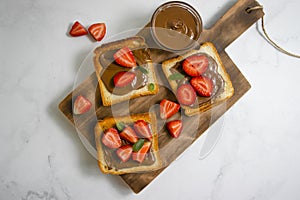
[[168, 108], [97, 31], [125, 58], [111, 138], [123, 78], [77, 30], [129, 135], [195, 65], [174, 128], [124, 152], [140, 155], [81, 105], [186, 94], [142, 128], [203, 85]]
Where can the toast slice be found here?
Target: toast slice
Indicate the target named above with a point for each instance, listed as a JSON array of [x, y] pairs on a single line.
[[110, 163], [106, 68], [223, 88]]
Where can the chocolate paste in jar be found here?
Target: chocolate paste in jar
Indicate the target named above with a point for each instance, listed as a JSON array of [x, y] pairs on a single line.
[[176, 26]]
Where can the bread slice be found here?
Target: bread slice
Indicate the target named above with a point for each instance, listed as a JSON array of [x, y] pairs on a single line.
[[110, 164], [136, 42], [227, 89]]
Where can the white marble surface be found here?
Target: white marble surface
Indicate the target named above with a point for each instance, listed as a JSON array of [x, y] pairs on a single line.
[[257, 156]]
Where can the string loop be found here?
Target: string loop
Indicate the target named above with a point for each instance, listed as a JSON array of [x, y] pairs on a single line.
[[267, 37]]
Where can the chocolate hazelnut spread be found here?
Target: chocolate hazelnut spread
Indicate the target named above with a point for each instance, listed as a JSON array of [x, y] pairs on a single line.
[[141, 55], [211, 72], [113, 161], [176, 25]]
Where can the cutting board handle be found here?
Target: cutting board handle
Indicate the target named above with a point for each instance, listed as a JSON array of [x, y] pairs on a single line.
[[232, 24]]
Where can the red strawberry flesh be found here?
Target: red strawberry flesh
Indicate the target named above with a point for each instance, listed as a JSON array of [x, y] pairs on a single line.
[[129, 135], [203, 85], [77, 30], [195, 65], [142, 128], [141, 154], [81, 105], [124, 152], [125, 57], [123, 78], [97, 31], [186, 94], [174, 128], [168, 108], [111, 138]]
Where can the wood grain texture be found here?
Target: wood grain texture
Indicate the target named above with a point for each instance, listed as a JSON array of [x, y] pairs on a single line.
[[225, 31]]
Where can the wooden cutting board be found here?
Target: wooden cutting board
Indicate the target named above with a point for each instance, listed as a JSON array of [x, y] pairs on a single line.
[[229, 27]]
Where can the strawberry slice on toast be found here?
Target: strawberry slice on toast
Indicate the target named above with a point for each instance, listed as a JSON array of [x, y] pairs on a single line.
[[125, 58], [203, 85], [124, 152], [111, 138], [195, 65], [140, 155], [186, 94]]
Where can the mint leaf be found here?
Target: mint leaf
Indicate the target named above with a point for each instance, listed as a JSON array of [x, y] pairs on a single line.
[[138, 145], [176, 76], [142, 69]]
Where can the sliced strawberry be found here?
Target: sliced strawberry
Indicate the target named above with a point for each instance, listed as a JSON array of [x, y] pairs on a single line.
[[174, 128], [186, 94], [111, 138], [125, 58], [98, 31], [81, 105], [129, 135], [77, 30], [124, 152], [123, 78], [142, 128], [195, 65], [140, 155], [168, 108], [203, 85]]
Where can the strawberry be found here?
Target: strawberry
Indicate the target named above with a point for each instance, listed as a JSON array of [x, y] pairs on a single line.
[[129, 135], [142, 128], [81, 105], [174, 128], [123, 78], [98, 31], [77, 30], [195, 65], [168, 108], [125, 58], [124, 152], [140, 155], [186, 94], [203, 85], [111, 138]]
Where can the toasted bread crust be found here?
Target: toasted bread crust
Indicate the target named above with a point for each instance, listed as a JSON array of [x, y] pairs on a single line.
[[110, 122], [209, 49], [107, 97]]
